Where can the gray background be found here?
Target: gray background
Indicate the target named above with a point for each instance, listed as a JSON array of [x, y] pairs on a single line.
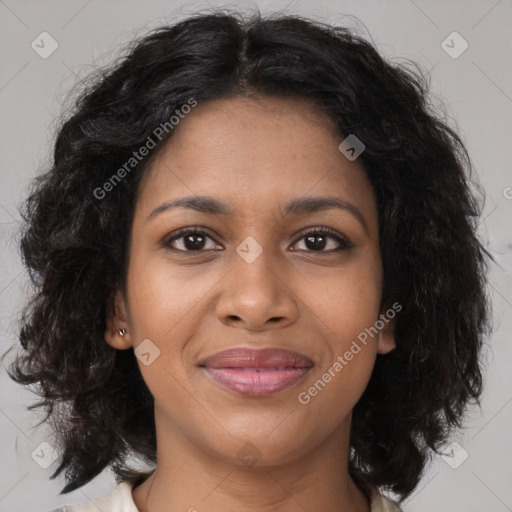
[[477, 88]]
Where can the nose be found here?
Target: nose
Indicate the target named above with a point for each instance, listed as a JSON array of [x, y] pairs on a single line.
[[257, 295]]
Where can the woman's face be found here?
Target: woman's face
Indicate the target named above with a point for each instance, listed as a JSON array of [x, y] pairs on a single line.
[[255, 280]]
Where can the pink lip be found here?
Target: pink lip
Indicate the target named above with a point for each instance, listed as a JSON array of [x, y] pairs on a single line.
[[257, 372]]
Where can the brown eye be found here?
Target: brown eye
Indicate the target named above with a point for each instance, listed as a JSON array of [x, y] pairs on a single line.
[[190, 240], [317, 240]]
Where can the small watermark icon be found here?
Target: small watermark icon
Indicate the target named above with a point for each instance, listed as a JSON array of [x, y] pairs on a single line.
[[249, 454], [249, 249], [45, 455], [351, 147], [507, 192], [146, 352], [454, 45], [455, 455], [44, 45]]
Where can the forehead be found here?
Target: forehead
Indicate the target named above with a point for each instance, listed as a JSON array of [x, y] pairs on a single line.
[[254, 153]]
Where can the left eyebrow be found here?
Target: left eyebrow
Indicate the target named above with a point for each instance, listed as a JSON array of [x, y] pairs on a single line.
[[299, 206], [316, 204]]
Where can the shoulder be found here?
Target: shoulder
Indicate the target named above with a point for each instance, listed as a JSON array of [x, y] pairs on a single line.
[[120, 500], [381, 503]]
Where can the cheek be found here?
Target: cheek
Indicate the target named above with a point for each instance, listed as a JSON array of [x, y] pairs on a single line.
[[344, 309], [161, 296], [163, 309], [330, 396], [345, 315], [167, 305], [354, 308], [346, 300]]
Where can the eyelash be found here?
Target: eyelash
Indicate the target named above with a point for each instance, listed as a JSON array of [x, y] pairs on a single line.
[[343, 242]]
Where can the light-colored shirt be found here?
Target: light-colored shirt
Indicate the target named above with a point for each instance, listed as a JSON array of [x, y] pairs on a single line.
[[121, 500]]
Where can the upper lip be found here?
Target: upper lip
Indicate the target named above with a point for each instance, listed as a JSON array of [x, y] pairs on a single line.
[[244, 357]]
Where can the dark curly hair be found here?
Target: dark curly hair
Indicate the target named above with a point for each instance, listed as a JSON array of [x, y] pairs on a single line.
[[75, 245]]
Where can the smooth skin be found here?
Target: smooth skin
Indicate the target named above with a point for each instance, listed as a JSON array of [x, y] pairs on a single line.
[[254, 154]]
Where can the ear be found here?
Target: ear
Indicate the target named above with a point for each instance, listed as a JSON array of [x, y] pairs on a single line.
[[386, 342], [117, 320]]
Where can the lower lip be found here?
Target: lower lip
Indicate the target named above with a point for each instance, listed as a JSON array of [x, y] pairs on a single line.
[[252, 382]]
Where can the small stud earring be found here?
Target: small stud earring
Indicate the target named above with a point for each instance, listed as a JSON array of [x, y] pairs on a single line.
[[121, 332]]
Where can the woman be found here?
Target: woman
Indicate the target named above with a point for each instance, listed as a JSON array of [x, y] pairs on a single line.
[[271, 217]]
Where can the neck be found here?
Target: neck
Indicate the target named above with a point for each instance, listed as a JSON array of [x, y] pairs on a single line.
[[188, 478]]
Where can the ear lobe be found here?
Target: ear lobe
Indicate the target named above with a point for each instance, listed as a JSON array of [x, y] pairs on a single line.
[[386, 342], [116, 322]]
